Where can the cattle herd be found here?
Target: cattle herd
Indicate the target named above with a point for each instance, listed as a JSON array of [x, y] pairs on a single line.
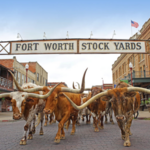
[[66, 104]]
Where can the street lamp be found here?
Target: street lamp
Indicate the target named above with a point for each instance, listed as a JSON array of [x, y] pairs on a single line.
[[19, 36], [44, 35], [91, 34], [131, 66], [27, 66], [102, 83], [67, 35], [113, 34]]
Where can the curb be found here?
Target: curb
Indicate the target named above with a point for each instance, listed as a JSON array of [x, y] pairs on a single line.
[[7, 120], [142, 118]]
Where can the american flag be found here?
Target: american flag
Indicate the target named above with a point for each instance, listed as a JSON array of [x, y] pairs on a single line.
[[134, 24]]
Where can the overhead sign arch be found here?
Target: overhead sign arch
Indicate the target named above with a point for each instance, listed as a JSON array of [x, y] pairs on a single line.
[[75, 46]]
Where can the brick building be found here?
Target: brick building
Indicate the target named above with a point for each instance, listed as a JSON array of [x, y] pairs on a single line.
[[140, 62], [6, 85], [36, 74], [52, 84]]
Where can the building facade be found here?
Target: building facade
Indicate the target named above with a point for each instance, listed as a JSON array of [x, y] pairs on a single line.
[[139, 74], [140, 62], [35, 74]]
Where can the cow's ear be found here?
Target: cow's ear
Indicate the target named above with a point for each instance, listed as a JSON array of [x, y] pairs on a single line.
[[105, 98], [130, 94], [29, 100]]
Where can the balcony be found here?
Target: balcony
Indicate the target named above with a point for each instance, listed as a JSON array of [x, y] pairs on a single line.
[[6, 84], [139, 78]]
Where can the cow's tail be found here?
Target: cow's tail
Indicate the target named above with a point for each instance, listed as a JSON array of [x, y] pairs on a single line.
[[38, 121]]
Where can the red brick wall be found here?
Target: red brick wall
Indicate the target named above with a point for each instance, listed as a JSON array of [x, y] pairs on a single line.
[[32, 66], [7, 63]]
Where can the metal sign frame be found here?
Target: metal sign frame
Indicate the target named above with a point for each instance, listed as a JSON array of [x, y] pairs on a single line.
[[75, 46]]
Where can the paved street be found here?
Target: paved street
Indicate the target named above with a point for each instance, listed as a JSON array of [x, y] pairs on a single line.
[[84, 139]]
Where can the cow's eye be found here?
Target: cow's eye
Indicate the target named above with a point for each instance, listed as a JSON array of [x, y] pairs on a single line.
[[24, 103]]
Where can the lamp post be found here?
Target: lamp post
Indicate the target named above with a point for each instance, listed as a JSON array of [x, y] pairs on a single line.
[[27, 66], [91, 34], [131, 66], [67, 35], [19, 36], [113, 34], [102, 83]]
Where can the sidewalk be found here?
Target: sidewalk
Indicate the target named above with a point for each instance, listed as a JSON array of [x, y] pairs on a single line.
[[6, 117], [144, 114]]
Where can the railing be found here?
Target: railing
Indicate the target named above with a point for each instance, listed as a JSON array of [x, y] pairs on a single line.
[[138, 74], [6, 83]]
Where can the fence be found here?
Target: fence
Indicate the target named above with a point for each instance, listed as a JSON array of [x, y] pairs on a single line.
[[5, 83]]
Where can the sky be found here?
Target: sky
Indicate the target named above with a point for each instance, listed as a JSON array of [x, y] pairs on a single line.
[[31, 18]]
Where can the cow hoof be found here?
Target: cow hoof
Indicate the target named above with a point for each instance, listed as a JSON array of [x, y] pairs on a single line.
[[30, 137], [62, 137], [105, 122], [78, 124], [112, 123], [127, 143], [130, 133], [93, 125], [33, 131], [57, 141], [96, 130], [123, 137], [41, 133], [72, 133], [50, 123], [23, 142], [45, 124], [101, 127], [54, 121]]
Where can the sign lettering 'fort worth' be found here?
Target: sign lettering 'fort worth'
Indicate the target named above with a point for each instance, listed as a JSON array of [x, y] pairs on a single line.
[[77, 46]]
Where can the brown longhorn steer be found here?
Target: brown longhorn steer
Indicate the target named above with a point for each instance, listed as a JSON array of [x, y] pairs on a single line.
[[51, 119], [63, 110], [97, 107], [122, 104], [26, 105], [56, 102]]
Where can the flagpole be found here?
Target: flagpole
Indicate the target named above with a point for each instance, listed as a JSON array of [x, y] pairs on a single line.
[[131, 30]]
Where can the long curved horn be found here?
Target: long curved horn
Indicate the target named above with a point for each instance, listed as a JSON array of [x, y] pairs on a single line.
[[42, 96], [139, 89], [78, 85], [39, 88], [64, 89], [5, 95], [16, 83], [73, 85], [87, 102]]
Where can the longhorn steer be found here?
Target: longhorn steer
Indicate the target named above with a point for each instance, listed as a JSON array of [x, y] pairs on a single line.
[[123, 106], [62, 109], [97, 107], [26, 105]]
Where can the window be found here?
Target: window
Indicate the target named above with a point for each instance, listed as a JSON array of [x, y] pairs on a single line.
[[133, 61], [22, 79], [143, 56], [41, 79], [16, 74], [37, 76]]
